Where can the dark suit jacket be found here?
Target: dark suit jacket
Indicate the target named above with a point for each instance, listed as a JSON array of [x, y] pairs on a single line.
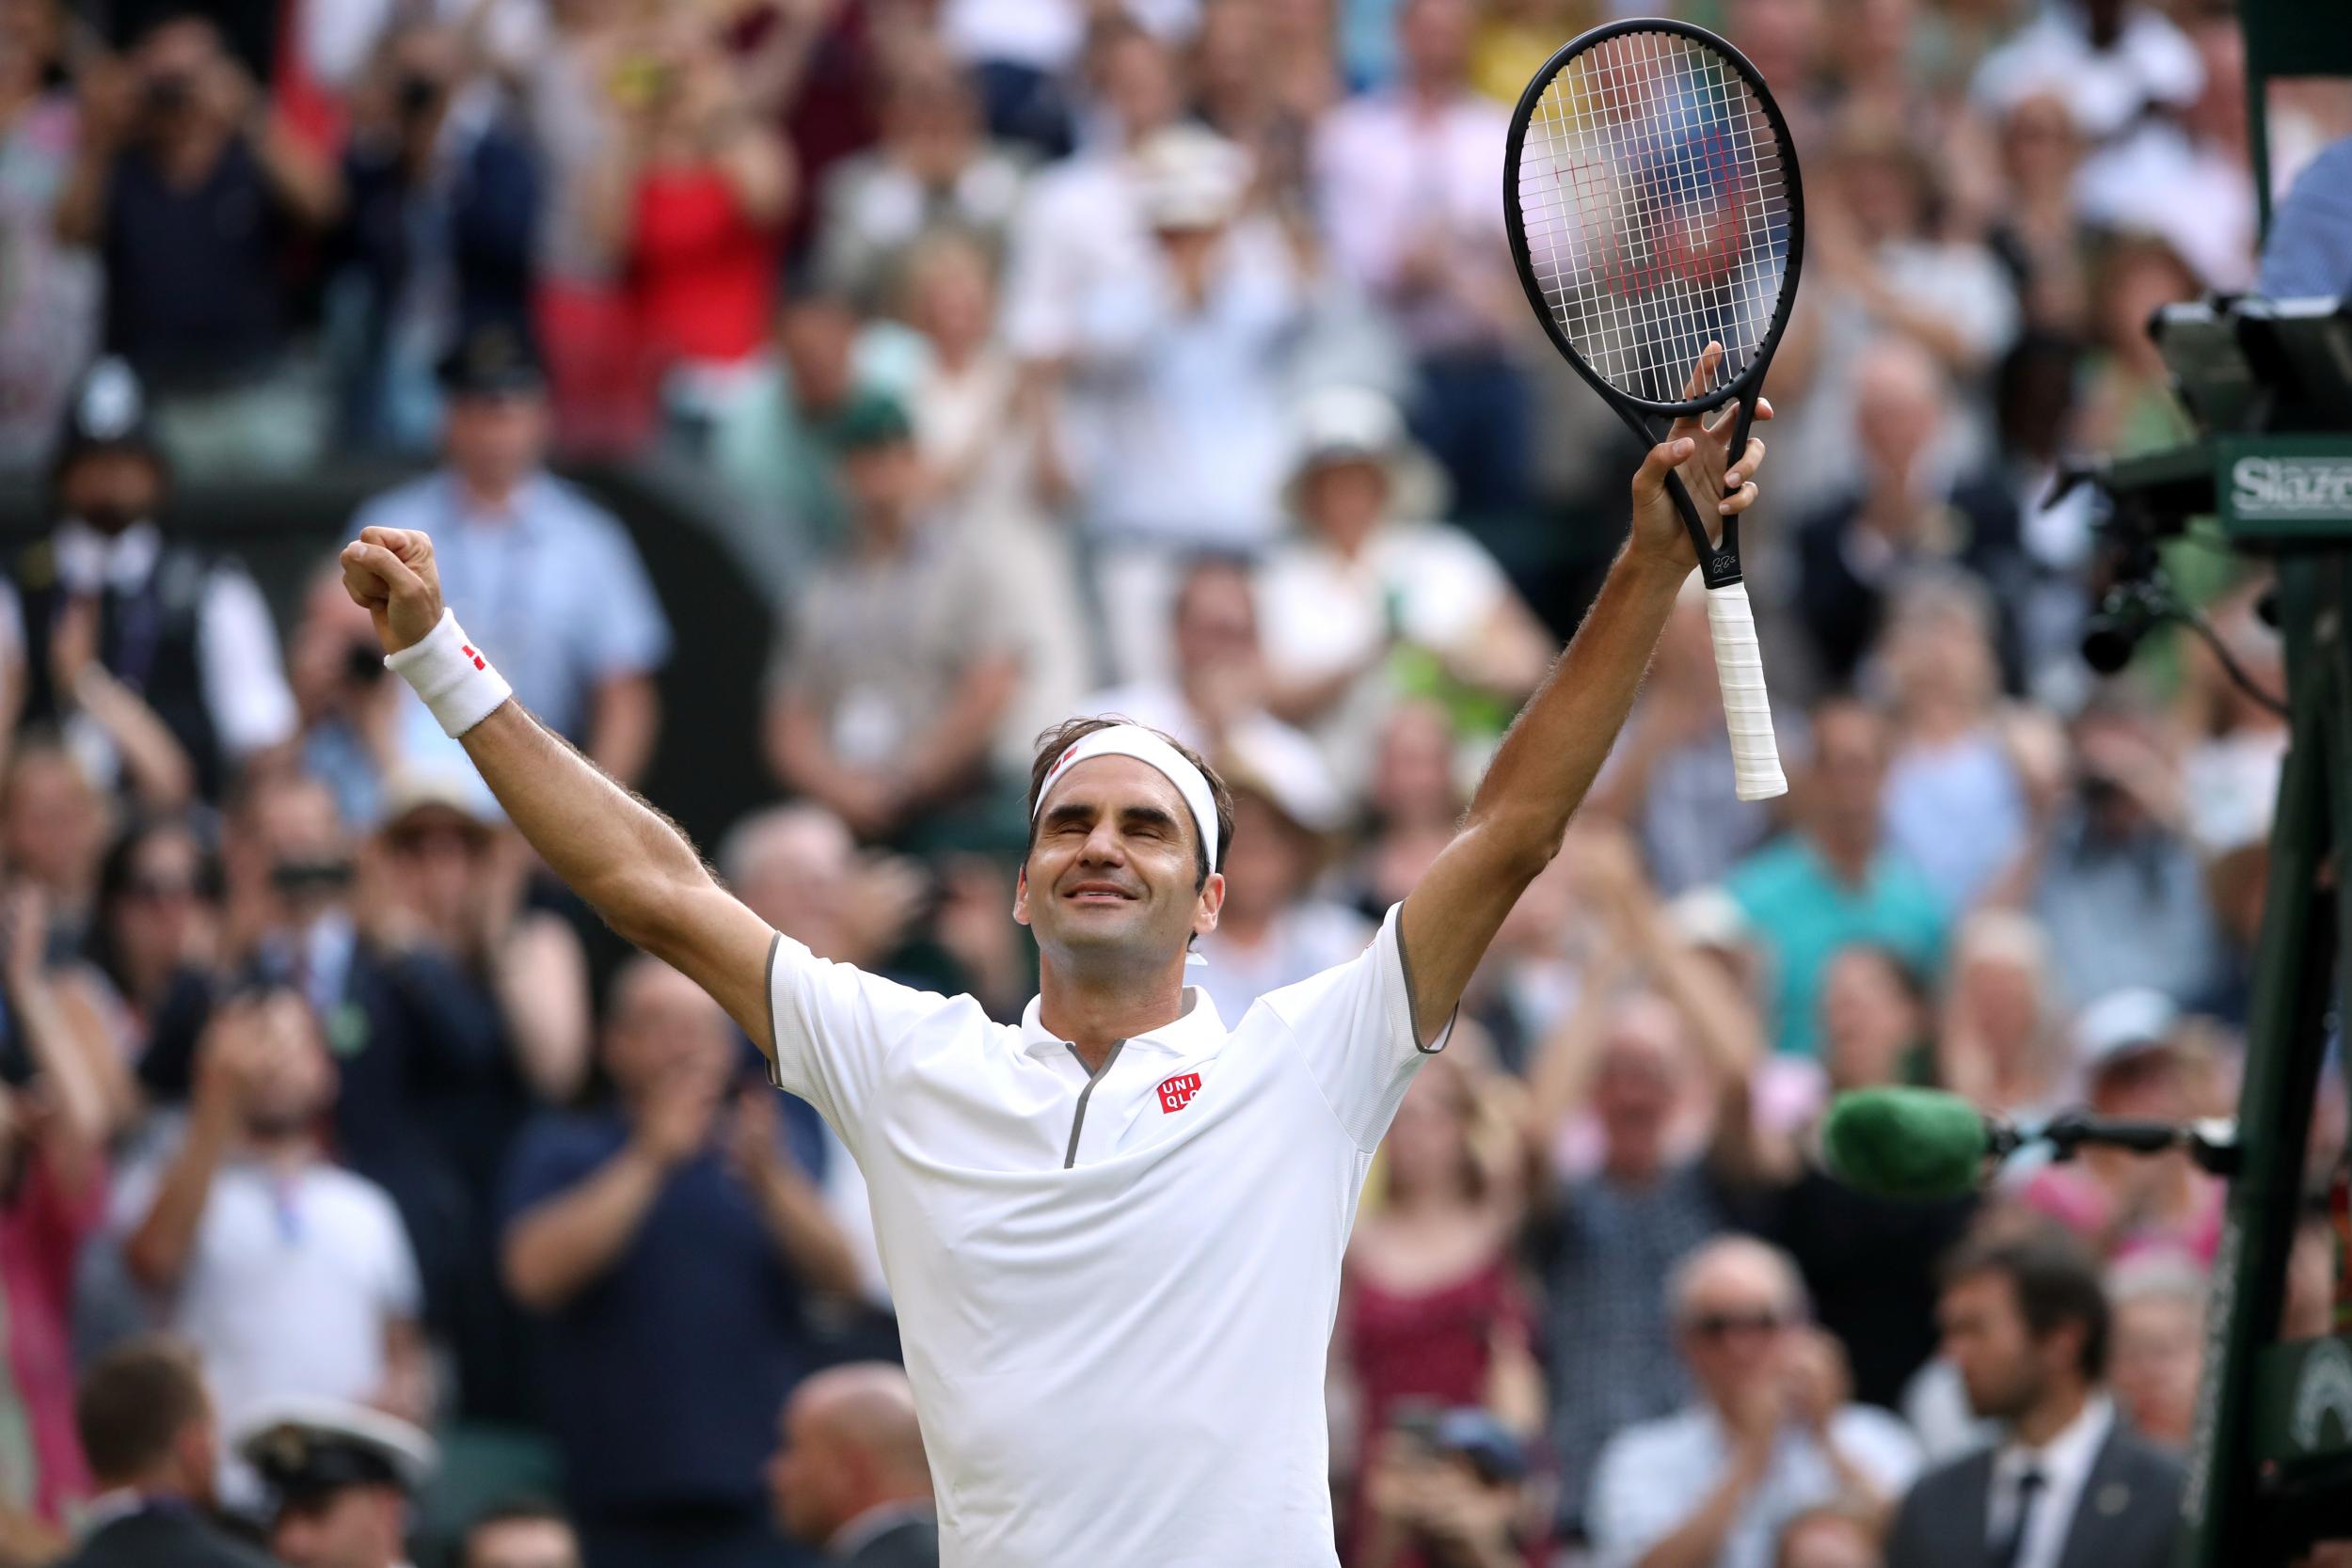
[[913, 1544], [2127, 1518], [164, 1538]]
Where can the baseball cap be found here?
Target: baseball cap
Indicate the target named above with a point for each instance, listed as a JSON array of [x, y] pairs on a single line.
[[871, 419], [491, 360], [2124, 1023]]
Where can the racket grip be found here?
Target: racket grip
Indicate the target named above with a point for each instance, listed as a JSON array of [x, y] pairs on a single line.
[[1747, 711]]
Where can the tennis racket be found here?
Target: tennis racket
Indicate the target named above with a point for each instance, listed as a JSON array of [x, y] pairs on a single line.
[[1655, 211]]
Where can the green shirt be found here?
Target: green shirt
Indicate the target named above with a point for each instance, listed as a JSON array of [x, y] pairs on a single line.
[[1803, 914]]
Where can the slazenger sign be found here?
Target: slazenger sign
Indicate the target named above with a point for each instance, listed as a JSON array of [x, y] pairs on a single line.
[[2296, 488]]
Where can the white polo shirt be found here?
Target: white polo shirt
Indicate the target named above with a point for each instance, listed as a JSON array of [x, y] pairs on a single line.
[[1116, 1293]]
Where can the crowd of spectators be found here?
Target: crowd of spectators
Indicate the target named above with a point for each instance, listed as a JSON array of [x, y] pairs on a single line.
[[1158, 357]]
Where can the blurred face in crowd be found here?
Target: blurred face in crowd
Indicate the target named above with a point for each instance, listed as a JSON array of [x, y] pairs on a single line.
[[2005, 1370], [418, 67], [152, 918], [1882, 188], [817, 335], [1899, 406], [296, 1080], [496, 440], [56, 828], [1111, 883], [352, 1526], [521, 1544], [1138, 80], [1736, 1320], [952, 297], [2040, 147], [177, 67], [1216, 619], [295, 840], [1869, 38], [1433, 37], [28, 41], [1637, 1084], [2159, 1353], [796, 873], [884, 484], [1271, 861], [1412, 770], [110, 489], [1829, 1540], [1940, 655], [929, 120], [663, 1028], [1779, 37], [439, 855], [1428, 1149], [1345, 499], [1870, 1017], [2000, 992], [1847, 774]]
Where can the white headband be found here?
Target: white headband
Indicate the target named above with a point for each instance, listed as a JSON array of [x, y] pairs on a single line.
[[1133, 740]]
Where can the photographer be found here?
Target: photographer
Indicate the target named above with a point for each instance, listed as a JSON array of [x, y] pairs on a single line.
[[1449, 1491], [437, 239], [188, 186]]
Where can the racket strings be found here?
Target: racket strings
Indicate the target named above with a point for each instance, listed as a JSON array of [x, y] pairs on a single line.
[[1654, 210]]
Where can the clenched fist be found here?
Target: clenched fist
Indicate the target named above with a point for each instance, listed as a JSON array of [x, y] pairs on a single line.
[[389, 573]]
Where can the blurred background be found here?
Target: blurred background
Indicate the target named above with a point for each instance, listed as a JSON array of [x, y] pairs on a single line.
[[810, 401]]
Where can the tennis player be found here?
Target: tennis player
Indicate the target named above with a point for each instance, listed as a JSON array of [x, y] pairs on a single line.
[[1113, 1232]]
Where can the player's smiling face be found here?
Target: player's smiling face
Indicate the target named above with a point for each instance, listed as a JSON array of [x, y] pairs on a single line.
[[1113, 873]]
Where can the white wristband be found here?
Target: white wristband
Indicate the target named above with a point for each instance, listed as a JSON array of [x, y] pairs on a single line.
[[456, 682]]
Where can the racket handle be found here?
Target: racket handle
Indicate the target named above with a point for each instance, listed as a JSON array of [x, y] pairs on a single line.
[[1747, 712]]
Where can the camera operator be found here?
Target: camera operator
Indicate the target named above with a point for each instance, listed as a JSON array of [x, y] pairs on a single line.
[[187, 186]]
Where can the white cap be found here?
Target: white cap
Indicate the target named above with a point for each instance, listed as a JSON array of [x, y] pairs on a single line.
[[1190, 178], [1349, 424], [2121, 1023]]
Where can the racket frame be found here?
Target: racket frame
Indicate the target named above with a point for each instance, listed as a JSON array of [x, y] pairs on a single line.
[[1719, 559]]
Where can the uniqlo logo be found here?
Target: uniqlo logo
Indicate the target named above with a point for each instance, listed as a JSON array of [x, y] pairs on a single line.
[[1177, 1092]]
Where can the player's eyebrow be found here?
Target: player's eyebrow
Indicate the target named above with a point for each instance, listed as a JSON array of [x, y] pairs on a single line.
[[1151, 816]]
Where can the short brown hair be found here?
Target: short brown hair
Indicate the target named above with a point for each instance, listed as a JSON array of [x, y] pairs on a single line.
[[1054, 742], [134, 1403], [2056, 1282]]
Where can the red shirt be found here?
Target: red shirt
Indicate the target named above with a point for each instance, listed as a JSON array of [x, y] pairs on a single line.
[[702, 275], [42, 1227]]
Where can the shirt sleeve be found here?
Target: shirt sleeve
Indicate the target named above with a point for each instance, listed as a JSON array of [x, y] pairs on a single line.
[[245, 677], [1625, 1516], [631, 634], [1354, 1025], [834, 1026], [398, 1291]]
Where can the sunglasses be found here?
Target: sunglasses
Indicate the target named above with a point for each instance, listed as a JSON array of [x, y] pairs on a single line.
[[1722, 1325]]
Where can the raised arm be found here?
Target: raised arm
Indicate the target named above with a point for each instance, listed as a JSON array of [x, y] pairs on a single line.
[[1556, 746], [628, 860]]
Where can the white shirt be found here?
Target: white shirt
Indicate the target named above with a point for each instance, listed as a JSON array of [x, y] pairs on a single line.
[[290, 1284], [1116, 1293], [1653, 1476], [1320, 611], [2065, 1463], [2151, 63], [243, 677]]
